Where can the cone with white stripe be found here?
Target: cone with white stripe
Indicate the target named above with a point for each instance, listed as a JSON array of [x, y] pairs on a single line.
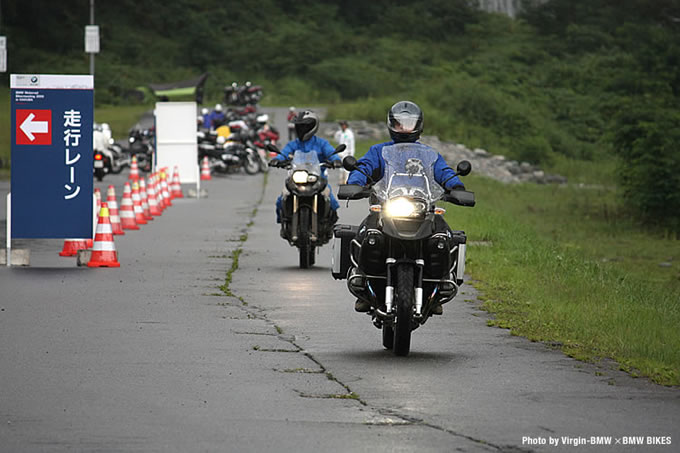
[[104, 250], [167, 200], [137, 205], [144, 197], [113, 211], [71, 247], [134, 169], [176, 185], [205, 170], [154, 208], [127, 210]]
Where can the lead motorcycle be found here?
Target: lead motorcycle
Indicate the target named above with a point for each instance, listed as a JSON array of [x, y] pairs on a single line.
[[400, 262], [307, 221]]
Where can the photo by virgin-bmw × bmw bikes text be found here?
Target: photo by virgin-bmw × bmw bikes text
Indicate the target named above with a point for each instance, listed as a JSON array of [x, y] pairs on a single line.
[[398, 259], [307, 221]]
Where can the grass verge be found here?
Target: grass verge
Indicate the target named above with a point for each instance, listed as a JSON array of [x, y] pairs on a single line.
[[566, 268]]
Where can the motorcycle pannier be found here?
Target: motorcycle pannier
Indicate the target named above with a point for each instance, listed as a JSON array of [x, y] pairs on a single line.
[[340, 256]]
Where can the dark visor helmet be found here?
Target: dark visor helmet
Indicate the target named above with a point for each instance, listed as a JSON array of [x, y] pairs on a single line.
[[306, 125], [405, 122]]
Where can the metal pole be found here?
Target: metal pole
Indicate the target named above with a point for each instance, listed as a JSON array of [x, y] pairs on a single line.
[[92, 23]]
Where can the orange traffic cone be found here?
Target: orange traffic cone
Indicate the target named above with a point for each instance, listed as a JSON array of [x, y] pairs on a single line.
[[71, 247], [137, 205], [154, 209], [205, 170], [104, 250], [134, 169], [116, 227], [144, 197], [127, 210], [98, 206], [167, 200], [176, 186]]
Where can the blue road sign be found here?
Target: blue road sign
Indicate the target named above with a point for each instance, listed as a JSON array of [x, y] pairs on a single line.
[[51, 136]]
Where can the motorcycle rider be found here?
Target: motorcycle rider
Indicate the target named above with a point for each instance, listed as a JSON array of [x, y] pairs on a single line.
[[405, 125], [306, 126], [216, 117]]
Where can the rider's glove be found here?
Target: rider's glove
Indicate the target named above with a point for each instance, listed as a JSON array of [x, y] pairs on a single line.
[[337, 164], [276, 163]]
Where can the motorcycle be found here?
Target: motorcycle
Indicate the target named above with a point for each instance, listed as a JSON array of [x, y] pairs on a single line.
[[400, 262], [307, 216], [99, 165], [141, 144], [108, 155]]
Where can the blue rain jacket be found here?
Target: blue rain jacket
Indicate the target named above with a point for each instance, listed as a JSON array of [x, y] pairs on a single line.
[[324, 151], [374, 164]]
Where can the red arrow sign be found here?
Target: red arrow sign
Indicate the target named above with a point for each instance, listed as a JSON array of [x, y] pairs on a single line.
[[34, 127]]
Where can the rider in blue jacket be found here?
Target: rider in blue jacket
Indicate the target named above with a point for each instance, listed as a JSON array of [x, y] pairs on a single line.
[[405, 124], [306, 125]]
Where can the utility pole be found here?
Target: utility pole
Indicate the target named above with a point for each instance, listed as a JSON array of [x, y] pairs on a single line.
[[92, 23]]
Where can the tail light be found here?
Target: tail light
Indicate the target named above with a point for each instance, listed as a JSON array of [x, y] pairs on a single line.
[[98, 156]]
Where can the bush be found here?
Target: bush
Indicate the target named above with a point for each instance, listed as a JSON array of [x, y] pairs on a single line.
[[646, 138]]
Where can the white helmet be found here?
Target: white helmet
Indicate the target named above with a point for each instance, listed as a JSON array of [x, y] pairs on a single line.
[[262, 118], [218, 107]]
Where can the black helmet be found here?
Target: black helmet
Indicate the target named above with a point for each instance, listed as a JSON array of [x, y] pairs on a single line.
[[405, 122], [306, 125]]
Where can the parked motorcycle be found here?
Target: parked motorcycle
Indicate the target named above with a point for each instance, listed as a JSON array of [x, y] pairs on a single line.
[[307, 221], [400, 262]]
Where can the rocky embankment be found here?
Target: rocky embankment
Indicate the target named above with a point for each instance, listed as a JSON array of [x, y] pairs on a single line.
[[493, 166]]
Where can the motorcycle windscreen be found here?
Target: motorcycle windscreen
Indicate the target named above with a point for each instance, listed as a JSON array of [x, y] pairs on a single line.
[[409, 171], [307, 161]]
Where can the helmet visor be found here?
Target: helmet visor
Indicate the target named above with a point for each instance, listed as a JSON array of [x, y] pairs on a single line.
[[403, 122]]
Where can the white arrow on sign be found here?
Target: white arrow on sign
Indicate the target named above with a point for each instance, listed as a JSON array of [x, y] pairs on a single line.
[[30, 127]]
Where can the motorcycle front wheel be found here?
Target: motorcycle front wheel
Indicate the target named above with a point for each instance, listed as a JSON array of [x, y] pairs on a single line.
[[404, 297], [306, 249], [251, 164]]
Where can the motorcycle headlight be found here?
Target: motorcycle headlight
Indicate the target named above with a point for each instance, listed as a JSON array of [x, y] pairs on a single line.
[[312, 178], [300, 177], [403, 207]]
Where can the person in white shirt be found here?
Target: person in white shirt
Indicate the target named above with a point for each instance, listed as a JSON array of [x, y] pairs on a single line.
[[345, 136]]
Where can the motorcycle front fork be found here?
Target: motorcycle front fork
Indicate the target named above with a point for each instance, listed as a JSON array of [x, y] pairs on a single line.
[[418, 290], [314, 222]]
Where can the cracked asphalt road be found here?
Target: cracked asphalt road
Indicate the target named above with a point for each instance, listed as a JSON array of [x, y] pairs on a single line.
[[154, 357]]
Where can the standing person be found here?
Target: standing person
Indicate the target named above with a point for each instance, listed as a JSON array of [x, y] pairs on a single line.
[[291, 124], [345, 136]]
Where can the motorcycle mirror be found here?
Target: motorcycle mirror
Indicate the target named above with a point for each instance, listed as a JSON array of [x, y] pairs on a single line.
[[464, 168], [340, 149], [349, 163]]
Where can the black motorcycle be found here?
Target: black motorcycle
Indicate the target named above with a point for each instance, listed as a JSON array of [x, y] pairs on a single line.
[[403, 259], [307, 221], [141, 144]]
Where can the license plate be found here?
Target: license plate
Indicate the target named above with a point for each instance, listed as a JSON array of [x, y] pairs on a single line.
[[98, 164]]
